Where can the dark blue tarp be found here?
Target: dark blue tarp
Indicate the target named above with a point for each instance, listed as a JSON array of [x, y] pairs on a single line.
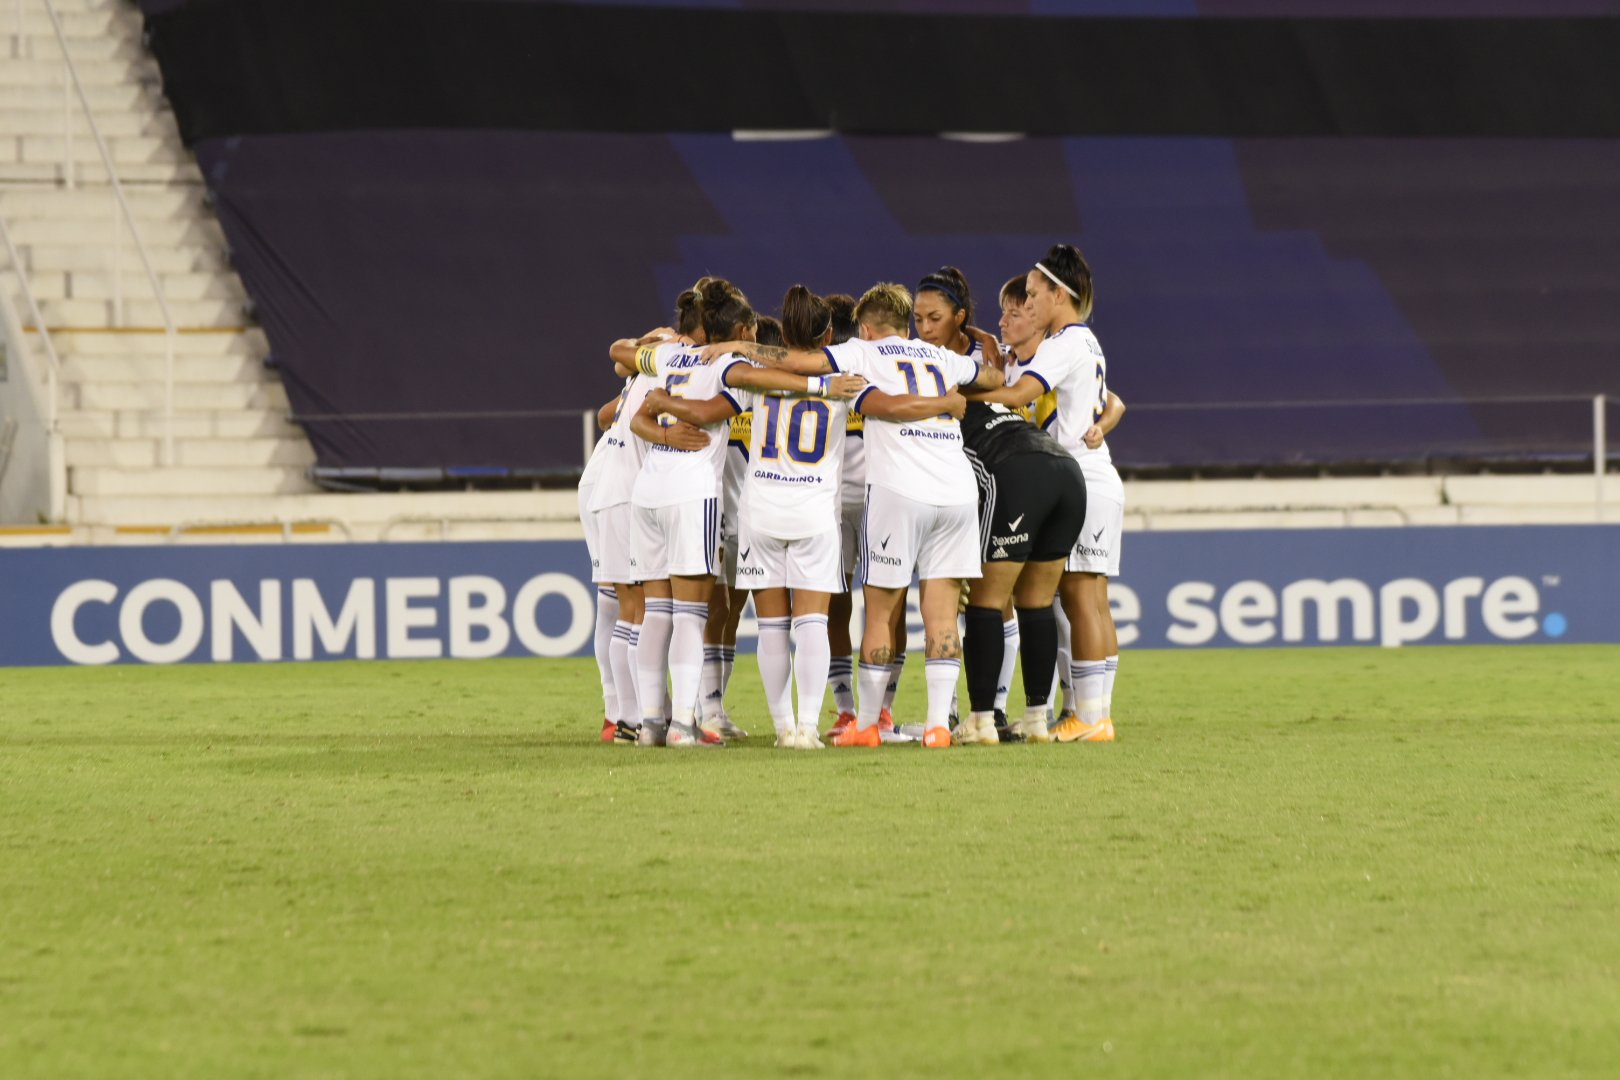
[[482, 273]]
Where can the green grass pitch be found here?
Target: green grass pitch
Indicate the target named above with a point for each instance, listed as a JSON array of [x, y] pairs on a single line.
[[1337, 862]]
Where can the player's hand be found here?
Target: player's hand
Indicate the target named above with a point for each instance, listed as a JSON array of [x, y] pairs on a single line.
[[656, 401], [711, 353], [844, 387], [988, 343], [683, 436], [653, 337], [955, 404], [1093, 437]]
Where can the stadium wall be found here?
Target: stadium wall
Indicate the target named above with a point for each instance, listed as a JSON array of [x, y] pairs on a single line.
[[1390, 587]]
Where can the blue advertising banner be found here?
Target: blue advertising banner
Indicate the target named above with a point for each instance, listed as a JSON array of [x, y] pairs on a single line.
[[223, 604]]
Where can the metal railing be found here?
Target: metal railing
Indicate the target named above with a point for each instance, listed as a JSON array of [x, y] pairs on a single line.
[[54, 361], [122, 218]]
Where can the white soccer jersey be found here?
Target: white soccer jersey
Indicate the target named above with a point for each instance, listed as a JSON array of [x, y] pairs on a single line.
[[852, 489], [1070, 364], [670, 476], [621, 452], [795, 462], [735, 472], [598, 460], [921, 459]]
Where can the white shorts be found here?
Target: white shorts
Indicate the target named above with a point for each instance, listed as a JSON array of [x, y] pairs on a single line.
[[728, 561], [903, 535], [613, 558], [810, 562], [1097, 550], [587, 521], [849, 535], [678, 541]]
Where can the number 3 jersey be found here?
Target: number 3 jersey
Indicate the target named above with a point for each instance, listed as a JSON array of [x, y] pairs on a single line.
[[670, 476], [795, 464], [1070, 364], [920, 459]]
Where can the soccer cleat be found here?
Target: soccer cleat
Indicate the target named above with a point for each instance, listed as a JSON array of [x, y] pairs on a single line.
[[1005, 732], [625, 734], [1072, 730], [845, 721], [886, 721], [608, 728], [651, 733], [807, 738], [684, 736], [936, 738], [787, 738], [1032, 731], [721, 726], [857, 736]]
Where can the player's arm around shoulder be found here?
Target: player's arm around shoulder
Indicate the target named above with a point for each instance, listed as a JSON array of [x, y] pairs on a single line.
[[797, 361]]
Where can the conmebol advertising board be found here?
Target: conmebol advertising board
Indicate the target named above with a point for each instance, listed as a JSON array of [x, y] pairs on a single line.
[[1389, 587]]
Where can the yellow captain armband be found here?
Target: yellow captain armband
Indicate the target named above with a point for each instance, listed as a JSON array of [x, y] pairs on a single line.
[[646, 361]]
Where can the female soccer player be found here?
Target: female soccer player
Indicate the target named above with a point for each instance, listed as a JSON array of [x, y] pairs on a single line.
[[1070, 363], [921, 513], [676, 501], [607, 600]]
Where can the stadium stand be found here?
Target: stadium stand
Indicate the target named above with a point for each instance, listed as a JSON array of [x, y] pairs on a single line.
[[436, 261]]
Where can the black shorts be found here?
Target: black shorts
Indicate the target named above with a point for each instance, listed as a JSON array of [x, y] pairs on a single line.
[[1031, 508]]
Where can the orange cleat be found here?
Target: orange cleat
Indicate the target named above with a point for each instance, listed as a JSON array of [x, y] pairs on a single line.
[[846, 720], [608, 728], [855, 736], [1070, 729], [886, 722], [937, 738]]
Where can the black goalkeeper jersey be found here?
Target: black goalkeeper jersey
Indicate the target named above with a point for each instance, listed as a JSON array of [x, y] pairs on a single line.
[[995, 434]]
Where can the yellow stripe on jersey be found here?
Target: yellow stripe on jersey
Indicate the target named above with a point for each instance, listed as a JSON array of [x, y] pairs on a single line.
[[645, 363], [855, 424], [742, 428], [1043, 407]]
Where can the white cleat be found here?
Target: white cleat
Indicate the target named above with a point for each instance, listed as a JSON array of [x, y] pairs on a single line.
[[787, 739], [688, 737], [808, 738], [1033, 730], [651, 734]]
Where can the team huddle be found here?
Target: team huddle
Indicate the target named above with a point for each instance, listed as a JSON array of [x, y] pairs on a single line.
[[793, 460]]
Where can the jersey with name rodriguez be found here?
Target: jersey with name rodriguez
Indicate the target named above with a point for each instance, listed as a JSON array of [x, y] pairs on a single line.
[[920, 459], [669, 476], [1070, 364], [620, 451], [795, 463]]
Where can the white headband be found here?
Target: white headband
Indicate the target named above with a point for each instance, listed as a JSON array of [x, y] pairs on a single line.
[[1042, 268]]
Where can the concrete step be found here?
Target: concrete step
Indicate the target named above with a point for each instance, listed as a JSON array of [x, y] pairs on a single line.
[[201, 257], [142, 313], [76, 23], [112, 123], [249, 453], [250, 343], [110, 62], [85, 232], [56, 285], [96, 204], [44, 50], [149, 369], [143, 424], [180, 172], [129, 150], [188, 396], [122, 95], [187, 481]]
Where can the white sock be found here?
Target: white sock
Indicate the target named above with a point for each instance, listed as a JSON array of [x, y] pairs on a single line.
[[624, 675], [841, 680], [893, 686], [686, 659], [728, 660], [713, 700], [812, 656], [652, 660], [1065, 660], [607, 625], [1108, 685], [1088, 677], [873, 678], [1009, 661], [941, 676], [776, 671]]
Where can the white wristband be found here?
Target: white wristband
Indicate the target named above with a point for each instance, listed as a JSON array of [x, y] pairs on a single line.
[[814, 386]]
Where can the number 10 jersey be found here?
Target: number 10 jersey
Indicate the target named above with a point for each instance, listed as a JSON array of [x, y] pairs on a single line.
[[795, 464]]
